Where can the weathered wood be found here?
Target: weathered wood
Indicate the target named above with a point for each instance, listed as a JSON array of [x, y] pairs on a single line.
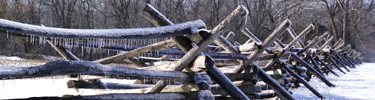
[[159, 19], [312, 43], [337, 66], [338, 42], [286, 48], [300, 79], [312, 70], [326, 43], [341, 63], [248, 47], [326, 66], [63, 52], [225, 44], [251, 96], [98, 84], [305, 31], [263, 47], [250, 35], [156, 46], [215, 89], [132, 96], [55, 68], [316, 66], [223, 81], [279, 43], [336, 48], [135, 62], [190, 27], [230, 36], [281, 91], [223, 27]]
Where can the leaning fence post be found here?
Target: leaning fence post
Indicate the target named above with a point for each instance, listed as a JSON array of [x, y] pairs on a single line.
[[223, 81], [300, 79], [251, 58], [223, 27], [314, 72], [329, 68], [281, 91], [63, 52], [337, 66]]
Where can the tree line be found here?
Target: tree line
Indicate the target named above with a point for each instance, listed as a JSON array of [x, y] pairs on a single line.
[[351, 20]]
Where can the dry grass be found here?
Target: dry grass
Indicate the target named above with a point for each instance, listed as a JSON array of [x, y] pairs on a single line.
[[19, 62]]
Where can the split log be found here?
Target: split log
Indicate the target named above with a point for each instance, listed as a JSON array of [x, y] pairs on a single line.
[[341, 63], [156, 46], [326, 43], [230, 36], [63, 52], [326, 66], [158, 19], [337, 66], [223, 27], [263, 47], [305, 31], [281, 91], [316, 66], [132, 96], [223, 81], [312, 70], [250, 35], [312, 43], [190, 27], [215, 89], [300, 79], [190, 87], [225, 44], [248, 47], [55, 68], [252, 96], [338, 42], [286, 48]]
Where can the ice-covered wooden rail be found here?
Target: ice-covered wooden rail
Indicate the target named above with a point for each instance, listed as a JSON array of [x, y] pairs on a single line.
[[181, 29], [56, 68]]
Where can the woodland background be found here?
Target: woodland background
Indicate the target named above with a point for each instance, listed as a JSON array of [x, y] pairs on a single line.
[[352, 20]]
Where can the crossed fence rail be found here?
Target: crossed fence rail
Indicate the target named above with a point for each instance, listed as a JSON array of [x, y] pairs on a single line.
[[242, 76]]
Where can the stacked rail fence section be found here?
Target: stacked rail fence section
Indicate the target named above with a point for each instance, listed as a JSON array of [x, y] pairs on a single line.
[[200, 64]]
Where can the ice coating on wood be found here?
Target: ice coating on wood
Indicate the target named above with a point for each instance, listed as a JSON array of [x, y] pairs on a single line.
[[190, 27], [55, 68]]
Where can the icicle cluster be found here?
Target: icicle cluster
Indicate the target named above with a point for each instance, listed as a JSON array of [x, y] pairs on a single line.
[[96, 45]]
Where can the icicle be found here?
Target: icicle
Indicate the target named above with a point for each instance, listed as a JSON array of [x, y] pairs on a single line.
[[44, 41], [32, 39], [81, 51], [7, 34], [40, 40], [107, 52]]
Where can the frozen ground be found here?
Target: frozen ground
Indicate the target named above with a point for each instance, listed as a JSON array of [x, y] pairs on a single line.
[[357, 84]]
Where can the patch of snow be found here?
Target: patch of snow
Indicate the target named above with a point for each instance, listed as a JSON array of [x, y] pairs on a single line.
[[12, 58]]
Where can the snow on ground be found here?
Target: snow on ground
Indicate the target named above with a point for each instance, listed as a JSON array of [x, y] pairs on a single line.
[[358, 84], [44, 86], [15, 61]]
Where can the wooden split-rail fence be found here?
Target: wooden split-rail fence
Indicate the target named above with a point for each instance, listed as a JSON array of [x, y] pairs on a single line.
[[222, 70]]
